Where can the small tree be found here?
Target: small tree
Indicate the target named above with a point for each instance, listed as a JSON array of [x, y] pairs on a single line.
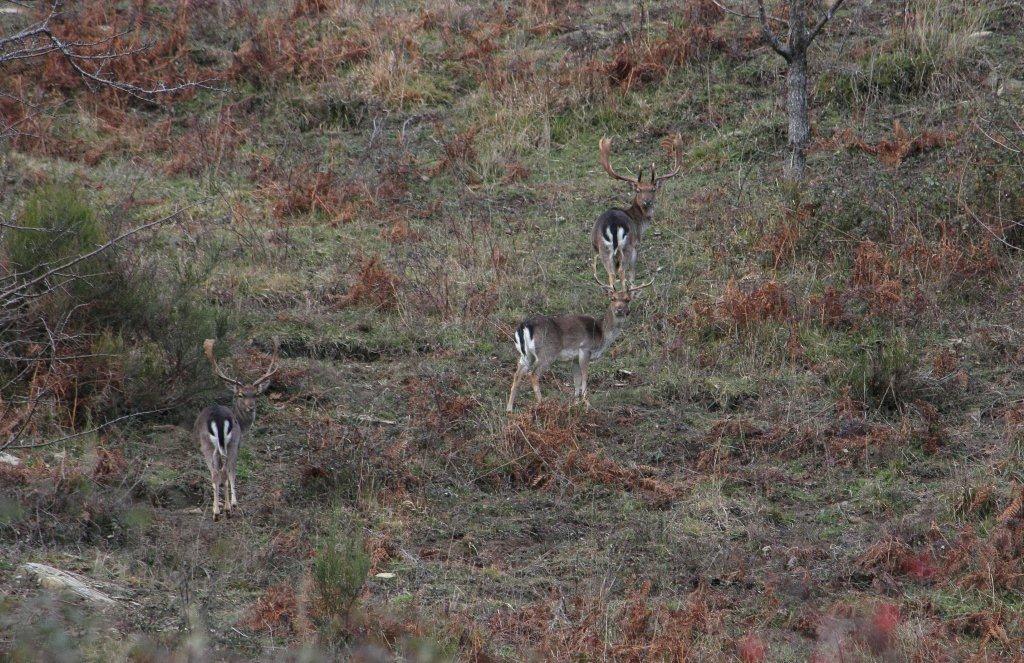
[[55, 250], [794, 52]]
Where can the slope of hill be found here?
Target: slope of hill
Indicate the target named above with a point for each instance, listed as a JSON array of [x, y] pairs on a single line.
[[808, 442]]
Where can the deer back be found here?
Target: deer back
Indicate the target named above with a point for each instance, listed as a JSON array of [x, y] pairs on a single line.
[[217, 423], [615, 226], [561, 337]]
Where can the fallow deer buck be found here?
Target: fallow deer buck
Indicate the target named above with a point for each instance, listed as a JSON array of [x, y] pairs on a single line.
[[542, 340], [617, 233], [218, 430]]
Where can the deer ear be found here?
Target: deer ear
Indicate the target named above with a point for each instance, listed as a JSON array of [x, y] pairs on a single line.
[[262, 387]]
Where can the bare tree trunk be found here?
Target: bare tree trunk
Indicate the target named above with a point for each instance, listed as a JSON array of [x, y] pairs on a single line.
[[799, 122], [796, 90], [794, 52]]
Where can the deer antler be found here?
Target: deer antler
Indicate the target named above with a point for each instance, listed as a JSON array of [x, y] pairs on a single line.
[[273, 365], [605, 146], [679, 164], [636, 288], [208, 351]]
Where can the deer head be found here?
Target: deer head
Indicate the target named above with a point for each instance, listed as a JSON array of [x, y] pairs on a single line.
[[245, 393], [620, 299], [643, 192]]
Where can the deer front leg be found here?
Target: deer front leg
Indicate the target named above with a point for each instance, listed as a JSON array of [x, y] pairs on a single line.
[[584, 361], [520, 370], [576, 380]]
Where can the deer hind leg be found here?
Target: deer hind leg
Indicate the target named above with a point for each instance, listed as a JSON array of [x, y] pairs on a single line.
[[608, 261], [611, 266], [231, 486], [631, 258], [538, 370], [226, 503], [232, 472], [620, 268], [214, 479]]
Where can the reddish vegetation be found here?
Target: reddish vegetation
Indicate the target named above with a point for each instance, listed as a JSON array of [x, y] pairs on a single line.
[[893, 152], [742, 305], [374, 285], [110, 464], [381, 550], [643, 629], [436, 407], [156, 54], [639, 63], [276, 51], [1015, 509], [276, 612], [877, 629], [551, 441], [750, 649]]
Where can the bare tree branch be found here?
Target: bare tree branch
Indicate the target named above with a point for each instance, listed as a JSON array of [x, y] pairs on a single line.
[[39, 40], [769, 36], [821, 23], [72, 436]]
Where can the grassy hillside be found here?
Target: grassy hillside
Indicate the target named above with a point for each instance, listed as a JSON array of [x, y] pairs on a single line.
[[807, 445]]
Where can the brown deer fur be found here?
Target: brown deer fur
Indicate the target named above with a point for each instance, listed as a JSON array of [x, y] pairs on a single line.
[[218, 430], [542, 340], [617, 232]]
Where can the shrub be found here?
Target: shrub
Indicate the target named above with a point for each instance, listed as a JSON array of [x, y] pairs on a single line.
[[339, 571], [933, 46], [891, 75], [57, 225], [165, 320]]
